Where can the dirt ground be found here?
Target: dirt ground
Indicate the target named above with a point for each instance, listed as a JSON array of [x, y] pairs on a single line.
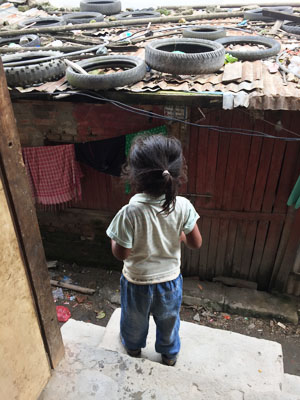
[[97, 309]]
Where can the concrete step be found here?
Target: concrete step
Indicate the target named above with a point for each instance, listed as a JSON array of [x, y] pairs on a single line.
[[291, 385], [82, 332], [239, 361], [95, 373]]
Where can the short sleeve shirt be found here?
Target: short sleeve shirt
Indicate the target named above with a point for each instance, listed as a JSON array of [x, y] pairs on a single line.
[[154, 237]]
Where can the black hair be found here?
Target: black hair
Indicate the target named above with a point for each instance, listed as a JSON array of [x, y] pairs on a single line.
[[156, 166]]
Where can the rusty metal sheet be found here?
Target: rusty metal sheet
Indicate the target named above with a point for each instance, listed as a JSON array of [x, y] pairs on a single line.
[[232, 72]]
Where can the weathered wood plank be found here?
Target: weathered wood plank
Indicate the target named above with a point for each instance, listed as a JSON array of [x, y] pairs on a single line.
[[206, 225], [221, 250], [224, 143], [231, 171], [262, 174], [248, 248], [238, 250], [201, 165], [287, 176], [253, 162], [192, 160], [242, 163], [260, 240], [269, 255], [212, 250], [231, 238], [210, 176], [26, 225]]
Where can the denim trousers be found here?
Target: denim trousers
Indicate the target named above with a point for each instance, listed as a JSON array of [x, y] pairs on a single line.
[[163, 301]]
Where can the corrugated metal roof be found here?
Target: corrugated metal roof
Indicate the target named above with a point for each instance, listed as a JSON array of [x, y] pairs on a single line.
[[250, 83]]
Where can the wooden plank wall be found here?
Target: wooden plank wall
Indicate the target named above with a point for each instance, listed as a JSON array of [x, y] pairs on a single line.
[[249, 179], [238, 184]]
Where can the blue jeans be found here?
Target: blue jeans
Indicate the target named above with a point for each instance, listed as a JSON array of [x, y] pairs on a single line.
[[163, 300]]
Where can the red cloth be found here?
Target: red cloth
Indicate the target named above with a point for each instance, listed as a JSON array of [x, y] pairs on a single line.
[[54, 173]]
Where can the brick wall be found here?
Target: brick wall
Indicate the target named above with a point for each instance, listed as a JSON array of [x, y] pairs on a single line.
[[78, 234]]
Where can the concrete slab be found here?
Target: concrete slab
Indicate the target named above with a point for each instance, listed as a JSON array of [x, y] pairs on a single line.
[[91, 373], [269, 396], [88, 373], [212, 294], [82, 332], [239, 361], [260, 304], [246, 302], [291, 384]]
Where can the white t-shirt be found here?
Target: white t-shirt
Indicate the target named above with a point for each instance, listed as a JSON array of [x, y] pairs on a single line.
[[152, 236]]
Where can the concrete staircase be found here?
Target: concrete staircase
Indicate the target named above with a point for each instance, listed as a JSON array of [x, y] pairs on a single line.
[[213, 365]]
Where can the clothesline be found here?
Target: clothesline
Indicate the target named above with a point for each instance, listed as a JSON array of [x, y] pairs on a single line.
[[54, 171]]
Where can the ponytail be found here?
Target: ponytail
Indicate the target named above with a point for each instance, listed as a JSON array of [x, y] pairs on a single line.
[[170, 192]]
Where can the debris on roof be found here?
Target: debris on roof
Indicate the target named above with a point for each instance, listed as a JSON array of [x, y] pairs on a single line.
[[271, 82]]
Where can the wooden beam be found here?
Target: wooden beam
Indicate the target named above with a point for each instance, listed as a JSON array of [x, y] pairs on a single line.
[[23, 213]]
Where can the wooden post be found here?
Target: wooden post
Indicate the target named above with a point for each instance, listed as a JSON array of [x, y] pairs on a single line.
[[23, 213]]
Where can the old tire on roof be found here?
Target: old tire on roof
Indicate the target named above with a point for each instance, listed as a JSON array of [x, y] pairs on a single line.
[[135, 72], [82, 17], [137, 14], [257, 15], [207, 32], [41, 22], [33, 40], [291, 27], [185, 56], [34, 73], [273, 47], [105, 7]]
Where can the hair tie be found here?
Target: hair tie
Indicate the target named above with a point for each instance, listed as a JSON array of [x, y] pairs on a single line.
[[166, 172]]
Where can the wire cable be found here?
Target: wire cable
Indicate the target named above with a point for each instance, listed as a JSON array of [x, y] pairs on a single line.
[[220, 129]]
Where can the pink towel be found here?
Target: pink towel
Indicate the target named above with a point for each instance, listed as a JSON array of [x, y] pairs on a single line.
[[54, 174]]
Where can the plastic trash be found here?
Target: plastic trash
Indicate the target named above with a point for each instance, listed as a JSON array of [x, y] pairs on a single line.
[[58, 294], [63, 313]]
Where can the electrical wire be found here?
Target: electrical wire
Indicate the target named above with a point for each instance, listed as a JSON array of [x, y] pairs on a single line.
[[271, 123], [220, 129]]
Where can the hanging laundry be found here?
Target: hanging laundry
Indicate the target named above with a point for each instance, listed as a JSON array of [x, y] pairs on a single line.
[[54, 174], [160, 130], [294, 199], [107, 155]]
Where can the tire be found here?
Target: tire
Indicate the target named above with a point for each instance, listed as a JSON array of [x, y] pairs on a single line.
[[207, 32], [33, 40], [33, 73], [82, 17], [41, 22], [104, 82], [204, 56], [105, 7], [248, 55], [137, 14], [291, 27], [256, 14]]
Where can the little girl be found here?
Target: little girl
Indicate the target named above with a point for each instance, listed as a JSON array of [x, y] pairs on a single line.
[[146, 235]]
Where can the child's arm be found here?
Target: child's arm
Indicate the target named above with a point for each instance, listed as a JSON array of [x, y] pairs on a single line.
[[193, 240], [120, 252]]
